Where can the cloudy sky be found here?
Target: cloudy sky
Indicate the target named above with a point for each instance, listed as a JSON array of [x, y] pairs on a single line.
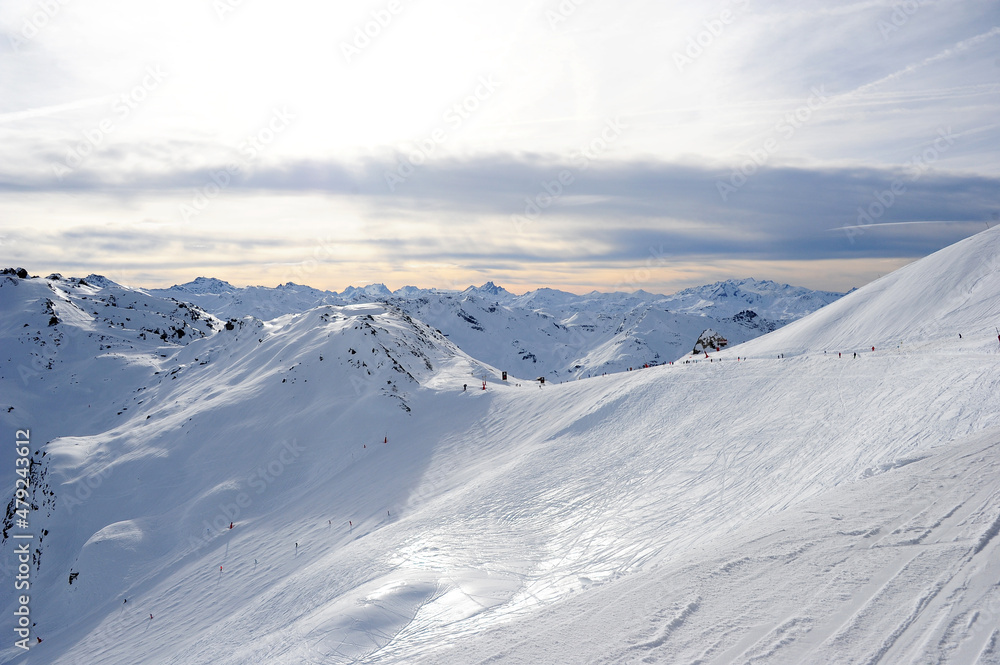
[[575, 144]]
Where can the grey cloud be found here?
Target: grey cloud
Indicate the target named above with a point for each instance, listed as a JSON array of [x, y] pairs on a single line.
[[690, 208]]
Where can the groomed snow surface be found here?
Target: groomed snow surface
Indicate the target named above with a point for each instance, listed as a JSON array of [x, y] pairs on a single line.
[[810, 508]]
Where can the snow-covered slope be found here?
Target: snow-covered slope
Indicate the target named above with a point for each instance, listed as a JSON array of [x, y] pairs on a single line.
[[909, 308], [902, 567], [806, 509], [74, 353]]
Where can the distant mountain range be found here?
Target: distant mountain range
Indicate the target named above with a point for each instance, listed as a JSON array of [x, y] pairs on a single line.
[[544, 332]]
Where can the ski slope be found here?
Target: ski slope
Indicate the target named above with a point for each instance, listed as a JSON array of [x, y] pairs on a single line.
[[908, 309], [885, 570], [809, 508]]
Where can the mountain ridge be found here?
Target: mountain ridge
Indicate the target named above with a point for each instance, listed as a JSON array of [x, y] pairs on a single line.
[[546, 331]]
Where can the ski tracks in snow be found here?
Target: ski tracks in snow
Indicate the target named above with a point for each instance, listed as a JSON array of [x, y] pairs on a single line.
[[913, 577], [950, 612]]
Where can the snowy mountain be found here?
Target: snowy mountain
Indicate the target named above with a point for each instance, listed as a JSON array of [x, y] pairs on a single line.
[[229, 302], [545, 332], [387, 509], [778, 302], [581, 338], [365, 293], [82, 354], [488, 291], [206, 286]]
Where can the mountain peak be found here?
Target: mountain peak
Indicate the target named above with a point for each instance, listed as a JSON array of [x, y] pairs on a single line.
[[99, 281], [205, 285], [407, 291], [378, 290], [490, 289]]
